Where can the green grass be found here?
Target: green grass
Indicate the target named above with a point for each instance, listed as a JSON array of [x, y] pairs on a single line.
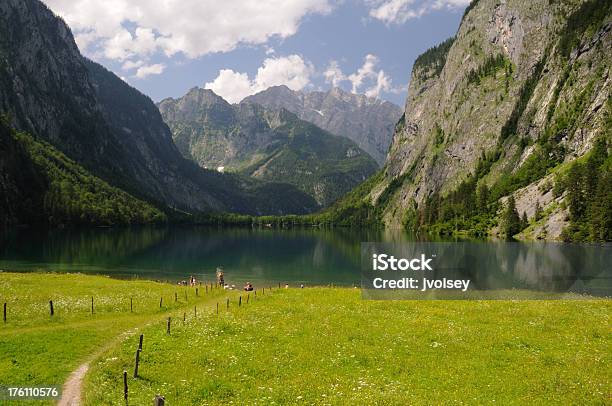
[[37, 349], [328, 346]]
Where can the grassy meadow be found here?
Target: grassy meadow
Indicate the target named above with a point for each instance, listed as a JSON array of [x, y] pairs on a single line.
[[302, 346], [37, 349], [328, 346]]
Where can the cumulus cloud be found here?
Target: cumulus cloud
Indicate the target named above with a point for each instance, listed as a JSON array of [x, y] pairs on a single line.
[[135, 29], [129, 65], [375, 80], [400, 11], [148, 70], [292, 71], [367, 71], [333, 74], [232, 86]]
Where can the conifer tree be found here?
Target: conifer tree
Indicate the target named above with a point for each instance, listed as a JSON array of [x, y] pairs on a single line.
[[524, 221], [538, 213], [510, 220]]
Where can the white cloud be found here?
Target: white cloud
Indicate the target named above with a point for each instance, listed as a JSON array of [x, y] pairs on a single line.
[[384, 84], [333, 74], [376, 81], [129, 65], [367, 71], [291, 71], [230, 85], [400, 11], [147, 70], [136, 29]]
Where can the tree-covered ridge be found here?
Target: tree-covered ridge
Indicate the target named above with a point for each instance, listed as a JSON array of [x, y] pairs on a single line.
[[69, 194], [431, 62]]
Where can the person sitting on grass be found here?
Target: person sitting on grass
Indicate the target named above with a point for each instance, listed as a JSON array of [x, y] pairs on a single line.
[[248, 287]]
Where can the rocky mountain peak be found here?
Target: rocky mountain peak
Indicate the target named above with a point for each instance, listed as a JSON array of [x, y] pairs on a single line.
[[367, 121]]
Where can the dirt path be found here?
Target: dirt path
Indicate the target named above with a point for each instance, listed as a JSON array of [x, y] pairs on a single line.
[[72, 389], [71, 392]]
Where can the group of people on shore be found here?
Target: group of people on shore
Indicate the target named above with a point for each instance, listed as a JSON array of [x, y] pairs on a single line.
[[192, 281], [248, 287]]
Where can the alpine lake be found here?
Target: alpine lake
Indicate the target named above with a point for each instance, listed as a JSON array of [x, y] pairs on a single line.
[[296, 256]]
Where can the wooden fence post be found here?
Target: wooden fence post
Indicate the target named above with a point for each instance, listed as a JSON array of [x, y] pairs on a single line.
[[140, 342], [168, 327], [161, 299], [131, 305], [51, 307], [175, 297], [4, 314], [206, 289], [92, 306], [240, 301], [248, 297], [186, 295], [136, 362], [217, 307], [125, 387], [197, 292], [227, 306], [159, 400], [184, 316], [195, 311]]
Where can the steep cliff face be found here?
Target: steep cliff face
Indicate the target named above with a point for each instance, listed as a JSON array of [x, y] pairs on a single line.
[[265, 144], [45, 85], [519, 92], [50, 91], [367, 121]]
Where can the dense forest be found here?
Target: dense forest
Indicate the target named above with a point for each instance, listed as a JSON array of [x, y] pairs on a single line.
[[58, 191], [431, 62]]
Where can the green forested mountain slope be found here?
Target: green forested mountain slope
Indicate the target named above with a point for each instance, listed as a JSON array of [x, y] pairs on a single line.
[[268, 145], [40, 185]]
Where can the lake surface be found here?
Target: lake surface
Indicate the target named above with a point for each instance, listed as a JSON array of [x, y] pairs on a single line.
[[271, 256]]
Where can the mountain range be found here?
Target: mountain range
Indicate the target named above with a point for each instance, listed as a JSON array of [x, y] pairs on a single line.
[[507, 131], [49, 90], [367, 121], [269, 144]]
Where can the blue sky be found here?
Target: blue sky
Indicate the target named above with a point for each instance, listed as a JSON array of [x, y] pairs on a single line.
[[239, 47]]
